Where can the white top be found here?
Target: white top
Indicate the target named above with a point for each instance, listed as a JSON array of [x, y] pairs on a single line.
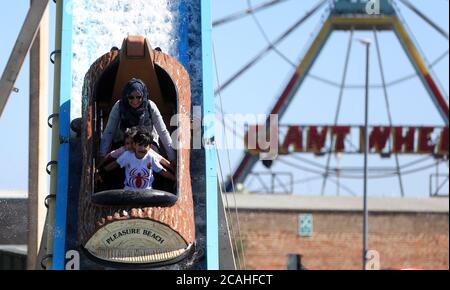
[[118, 152], [138, 172]]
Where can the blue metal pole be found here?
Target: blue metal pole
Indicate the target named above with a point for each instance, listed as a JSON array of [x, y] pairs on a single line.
[[183, 34], [64, 137], [212, 223], [366, 151]]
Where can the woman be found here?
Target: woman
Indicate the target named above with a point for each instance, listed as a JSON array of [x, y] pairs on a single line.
[[135, 109]]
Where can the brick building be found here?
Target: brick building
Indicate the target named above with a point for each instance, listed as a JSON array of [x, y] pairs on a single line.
[[404, 232]]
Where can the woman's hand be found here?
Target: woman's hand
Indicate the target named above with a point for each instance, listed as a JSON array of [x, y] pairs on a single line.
[[173, 166], [98, 176]]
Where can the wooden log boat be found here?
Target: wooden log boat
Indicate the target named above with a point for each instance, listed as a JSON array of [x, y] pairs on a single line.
[[118, 227]]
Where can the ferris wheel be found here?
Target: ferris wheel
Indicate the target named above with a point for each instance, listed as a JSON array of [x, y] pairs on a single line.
[[301, 61]]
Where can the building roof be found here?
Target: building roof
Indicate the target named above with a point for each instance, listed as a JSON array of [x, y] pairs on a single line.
[[333, 203], [15, 249], [13, 194]]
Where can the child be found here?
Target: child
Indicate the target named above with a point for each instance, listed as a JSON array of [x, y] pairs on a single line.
[[129, 146], [140, 164]]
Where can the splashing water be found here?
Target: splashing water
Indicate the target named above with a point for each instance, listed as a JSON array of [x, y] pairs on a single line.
[[102, 24]]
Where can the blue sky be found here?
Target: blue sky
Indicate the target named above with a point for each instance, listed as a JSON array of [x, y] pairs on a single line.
[[14, 121], [256, 91]]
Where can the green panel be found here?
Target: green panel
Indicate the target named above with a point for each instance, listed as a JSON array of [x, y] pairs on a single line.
[[305, 225]]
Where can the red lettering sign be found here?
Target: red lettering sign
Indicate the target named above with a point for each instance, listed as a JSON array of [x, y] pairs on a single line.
[[403, 143], [425, 144], [316, 141], [403, 139], [379, 137], [341, 133], [293, 137], [443, 144]]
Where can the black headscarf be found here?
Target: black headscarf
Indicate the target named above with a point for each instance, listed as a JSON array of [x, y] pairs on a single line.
[[131, 117]]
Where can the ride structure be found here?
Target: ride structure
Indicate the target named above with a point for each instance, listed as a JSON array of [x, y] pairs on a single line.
[[349, 16], [144, 220], [79, 210]]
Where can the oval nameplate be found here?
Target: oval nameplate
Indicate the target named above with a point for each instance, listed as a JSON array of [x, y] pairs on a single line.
[[136, 241]]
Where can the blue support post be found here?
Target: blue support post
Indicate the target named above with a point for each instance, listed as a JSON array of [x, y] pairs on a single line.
[[212, 223], [183, 30], [64, 137]]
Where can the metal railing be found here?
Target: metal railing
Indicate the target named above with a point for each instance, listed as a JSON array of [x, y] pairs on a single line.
[[272, 182], [439, 185]]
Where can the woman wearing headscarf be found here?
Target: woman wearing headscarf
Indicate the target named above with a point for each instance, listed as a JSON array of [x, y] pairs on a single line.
[[135, 109]]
